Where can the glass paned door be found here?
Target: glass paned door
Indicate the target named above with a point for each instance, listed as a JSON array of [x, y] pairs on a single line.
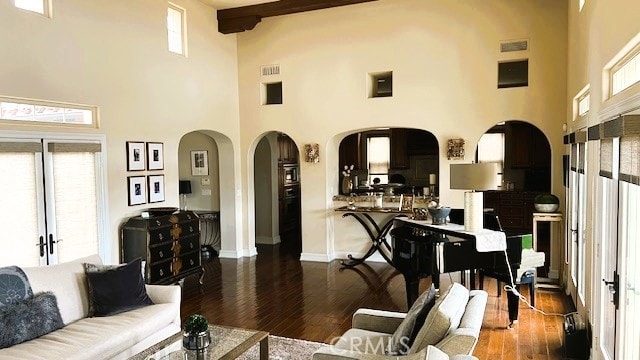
[[51, 198], [630, 280], [609, 260], [22, 205]]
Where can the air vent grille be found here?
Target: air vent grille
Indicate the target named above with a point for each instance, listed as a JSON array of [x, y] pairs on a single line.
[[268, 70], [520, 45]]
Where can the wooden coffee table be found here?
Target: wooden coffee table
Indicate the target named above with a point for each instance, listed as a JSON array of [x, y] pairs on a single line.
[[226, 343]]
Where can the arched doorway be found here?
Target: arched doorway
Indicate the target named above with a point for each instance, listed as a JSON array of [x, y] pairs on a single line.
[[201, 155], [524, 154], [277, 194]]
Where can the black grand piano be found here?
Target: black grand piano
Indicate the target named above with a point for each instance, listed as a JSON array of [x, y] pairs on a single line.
[[420, 250]]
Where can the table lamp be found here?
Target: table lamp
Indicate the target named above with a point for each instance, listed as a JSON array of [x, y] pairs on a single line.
[[476, 178], [184, 188]]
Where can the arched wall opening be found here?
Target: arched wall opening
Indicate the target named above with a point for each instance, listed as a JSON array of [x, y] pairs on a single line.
[[213, 187]]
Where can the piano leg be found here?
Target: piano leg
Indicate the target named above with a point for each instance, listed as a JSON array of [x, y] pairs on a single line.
[[512, 304], [412, 286]]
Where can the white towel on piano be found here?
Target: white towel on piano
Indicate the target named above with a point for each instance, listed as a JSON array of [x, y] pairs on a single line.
[[489, 240]]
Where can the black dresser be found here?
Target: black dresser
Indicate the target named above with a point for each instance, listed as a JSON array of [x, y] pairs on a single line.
[[170, 245]]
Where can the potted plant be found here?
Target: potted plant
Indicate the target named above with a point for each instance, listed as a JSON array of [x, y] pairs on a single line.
[[196, 333], [546, 203]]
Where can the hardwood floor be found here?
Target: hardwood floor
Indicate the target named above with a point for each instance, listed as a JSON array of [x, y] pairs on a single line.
[[276, 292]]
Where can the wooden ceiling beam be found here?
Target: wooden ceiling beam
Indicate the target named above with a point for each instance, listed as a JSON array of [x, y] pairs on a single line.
[[244, 18]]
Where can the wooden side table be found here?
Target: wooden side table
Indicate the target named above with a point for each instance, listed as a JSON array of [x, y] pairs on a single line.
[[554, 274]]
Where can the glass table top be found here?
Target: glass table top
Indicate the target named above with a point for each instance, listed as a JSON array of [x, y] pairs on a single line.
[[226, 343]]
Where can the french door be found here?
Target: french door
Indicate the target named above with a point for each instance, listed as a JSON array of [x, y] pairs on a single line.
[[576, 238], [51, 200]]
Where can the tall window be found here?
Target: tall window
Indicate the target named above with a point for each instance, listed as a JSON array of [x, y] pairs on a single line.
[[37, 6], [176, 29], [584, 104], [626, 73], [378, 157]]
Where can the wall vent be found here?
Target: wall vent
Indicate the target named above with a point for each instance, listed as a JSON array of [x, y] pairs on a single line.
[[270, 70], [509, 46]]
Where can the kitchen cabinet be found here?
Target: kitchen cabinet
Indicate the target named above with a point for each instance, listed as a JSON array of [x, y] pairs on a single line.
[[351, 152], [526, 149], [399, 155], [287, 149]]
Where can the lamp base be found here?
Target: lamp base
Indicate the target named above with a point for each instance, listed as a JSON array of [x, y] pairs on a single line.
[[473, 209]]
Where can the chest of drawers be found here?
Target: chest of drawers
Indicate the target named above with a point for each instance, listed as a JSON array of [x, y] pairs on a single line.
[[169, 244]]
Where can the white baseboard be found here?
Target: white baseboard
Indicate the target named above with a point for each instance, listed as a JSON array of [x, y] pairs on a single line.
[[554, 274], [316, 257], [251, 252], [230, 254]]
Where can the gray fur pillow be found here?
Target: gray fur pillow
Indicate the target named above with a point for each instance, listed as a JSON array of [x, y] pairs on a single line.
[[29, 318], [14, 285]]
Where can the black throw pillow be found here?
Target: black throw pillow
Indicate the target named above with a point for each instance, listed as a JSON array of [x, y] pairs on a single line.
[[117, 290], [28, 319]]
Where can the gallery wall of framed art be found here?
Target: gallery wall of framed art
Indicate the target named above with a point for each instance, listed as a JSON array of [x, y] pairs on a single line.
[[145, 156]]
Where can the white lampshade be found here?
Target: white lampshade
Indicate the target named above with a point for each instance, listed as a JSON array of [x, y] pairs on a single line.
[[480, 176]]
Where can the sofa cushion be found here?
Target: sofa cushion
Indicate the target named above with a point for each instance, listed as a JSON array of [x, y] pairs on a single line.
[[407, 331], [117, 290], [443, 317], [97, 337], [28, 319], [364, 341], [14, 285], [67, 281]]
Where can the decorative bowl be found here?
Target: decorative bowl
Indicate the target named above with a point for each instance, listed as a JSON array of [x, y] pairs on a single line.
[[439, 215], [546, 208]]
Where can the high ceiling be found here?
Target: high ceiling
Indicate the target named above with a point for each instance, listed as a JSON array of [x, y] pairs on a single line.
[[242, 15], [225, 4]]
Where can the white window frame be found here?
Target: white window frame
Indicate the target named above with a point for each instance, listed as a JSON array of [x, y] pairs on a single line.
[[46, 7], [631, 63], [580, 101], [32, 102], [183, 30]]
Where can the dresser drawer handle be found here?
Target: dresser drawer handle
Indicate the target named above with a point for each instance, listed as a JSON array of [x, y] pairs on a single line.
[[160, 236], [158, 222], [161, 253], [161, 272], [190, 228], [191, 261]]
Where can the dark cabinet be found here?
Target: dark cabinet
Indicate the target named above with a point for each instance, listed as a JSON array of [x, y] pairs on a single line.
[[169, 244], [399, 154], [287, 149], [514, 208], [527, 146], [351, 152]]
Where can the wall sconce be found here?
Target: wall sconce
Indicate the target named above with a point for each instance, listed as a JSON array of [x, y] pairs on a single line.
[[312, 153], [455, 150]]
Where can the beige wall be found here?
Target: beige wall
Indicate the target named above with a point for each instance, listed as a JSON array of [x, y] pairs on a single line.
[[113, 54], [443, 55]]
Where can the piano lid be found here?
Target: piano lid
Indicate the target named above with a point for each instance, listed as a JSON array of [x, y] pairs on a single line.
[[486, 240]]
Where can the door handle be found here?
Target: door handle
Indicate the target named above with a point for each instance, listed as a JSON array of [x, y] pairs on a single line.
[[614, 288], [42, 245], [51, 242]]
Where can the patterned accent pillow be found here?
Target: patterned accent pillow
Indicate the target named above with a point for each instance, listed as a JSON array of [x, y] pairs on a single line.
[[14, 285], [402, 339], [29, 318]]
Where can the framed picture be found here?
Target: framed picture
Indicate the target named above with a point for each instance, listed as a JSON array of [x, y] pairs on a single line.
[[156, 188], [137, 192], [199, 163], [135, 156], [155, 156]]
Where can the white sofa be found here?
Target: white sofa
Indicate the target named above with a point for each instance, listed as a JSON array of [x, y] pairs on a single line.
[[115, 337]]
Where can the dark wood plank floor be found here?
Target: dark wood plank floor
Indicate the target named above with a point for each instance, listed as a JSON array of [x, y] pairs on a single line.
[[276, 292]]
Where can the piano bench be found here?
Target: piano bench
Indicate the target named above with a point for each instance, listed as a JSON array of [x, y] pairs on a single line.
[[528, 277]]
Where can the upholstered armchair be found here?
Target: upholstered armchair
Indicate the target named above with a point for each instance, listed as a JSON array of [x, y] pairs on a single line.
[[434, 330]]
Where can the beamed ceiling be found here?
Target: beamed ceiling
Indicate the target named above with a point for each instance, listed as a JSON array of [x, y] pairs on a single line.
[[246, 14]]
